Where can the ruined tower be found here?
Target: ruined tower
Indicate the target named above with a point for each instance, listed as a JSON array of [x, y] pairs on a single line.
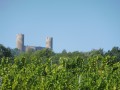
[[20, 42], [49, 42]]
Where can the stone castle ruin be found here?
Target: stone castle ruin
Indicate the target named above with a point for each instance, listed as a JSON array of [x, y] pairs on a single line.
[[20, 44]]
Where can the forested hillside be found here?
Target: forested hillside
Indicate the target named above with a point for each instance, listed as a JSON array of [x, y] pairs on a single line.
[[47, 70]]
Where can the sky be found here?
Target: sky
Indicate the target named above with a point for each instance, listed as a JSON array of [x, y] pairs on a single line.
[[75, 25]]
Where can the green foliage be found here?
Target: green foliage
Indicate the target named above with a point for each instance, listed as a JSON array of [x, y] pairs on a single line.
[[4, 52], [15, 52], [45, 70], [116, 53]]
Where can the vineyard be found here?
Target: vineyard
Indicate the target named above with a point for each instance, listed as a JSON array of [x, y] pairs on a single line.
[[45, 70]]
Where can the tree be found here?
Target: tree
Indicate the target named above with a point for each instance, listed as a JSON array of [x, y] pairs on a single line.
[[64, 52], [15, 52], [114, 52], [4, 52], [95, 52]]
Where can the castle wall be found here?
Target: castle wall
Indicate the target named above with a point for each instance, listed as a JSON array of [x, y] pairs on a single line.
[[33, 48]]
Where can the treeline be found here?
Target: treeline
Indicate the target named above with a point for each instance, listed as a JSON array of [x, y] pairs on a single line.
[[47, 70], [13, 53]]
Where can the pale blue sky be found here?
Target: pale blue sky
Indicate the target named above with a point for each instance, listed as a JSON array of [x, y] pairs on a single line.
[[74, 24]]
